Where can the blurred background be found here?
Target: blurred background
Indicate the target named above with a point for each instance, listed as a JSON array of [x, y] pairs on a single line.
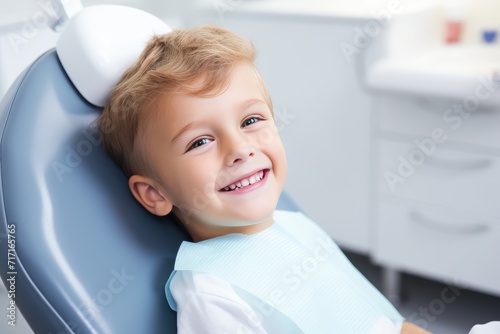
[[390, 114]]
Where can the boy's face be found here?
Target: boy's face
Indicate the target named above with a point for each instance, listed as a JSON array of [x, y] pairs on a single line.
[[218, 160]]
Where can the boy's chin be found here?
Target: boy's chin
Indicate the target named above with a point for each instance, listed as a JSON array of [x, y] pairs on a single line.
[[230, 216]]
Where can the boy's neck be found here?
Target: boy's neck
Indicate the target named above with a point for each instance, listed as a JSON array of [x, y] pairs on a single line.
[[201, 231]]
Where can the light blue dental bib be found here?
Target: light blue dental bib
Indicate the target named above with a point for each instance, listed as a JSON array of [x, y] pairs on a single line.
[[296, 268]]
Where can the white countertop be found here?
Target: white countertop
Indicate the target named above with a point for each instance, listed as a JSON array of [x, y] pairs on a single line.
[[451, 72]]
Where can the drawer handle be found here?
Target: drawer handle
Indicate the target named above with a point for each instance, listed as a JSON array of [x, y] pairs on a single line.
[[436, 107], [468, 165], [458, 228]]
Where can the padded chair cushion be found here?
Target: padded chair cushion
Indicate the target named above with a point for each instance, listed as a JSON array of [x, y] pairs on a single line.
[[89, 258]]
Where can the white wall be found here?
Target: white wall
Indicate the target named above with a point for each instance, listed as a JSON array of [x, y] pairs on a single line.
[[478, 15], [23, 36], [481, 14], [25, 33]]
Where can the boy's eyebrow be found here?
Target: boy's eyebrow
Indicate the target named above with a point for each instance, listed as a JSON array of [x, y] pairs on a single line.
[[189, 126], [252, 102]]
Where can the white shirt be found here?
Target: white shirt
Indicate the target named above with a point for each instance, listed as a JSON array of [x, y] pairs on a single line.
[[207, 304]]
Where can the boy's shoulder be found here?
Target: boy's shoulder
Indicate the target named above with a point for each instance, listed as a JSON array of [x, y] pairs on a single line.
[[195, 282]]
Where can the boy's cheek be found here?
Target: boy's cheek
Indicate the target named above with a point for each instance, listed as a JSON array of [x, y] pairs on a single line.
[[266, 136]]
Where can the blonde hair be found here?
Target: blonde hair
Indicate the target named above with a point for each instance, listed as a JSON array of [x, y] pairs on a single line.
[[195, 61]]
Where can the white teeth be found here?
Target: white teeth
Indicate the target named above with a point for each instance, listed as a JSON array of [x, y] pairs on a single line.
[[245, 182]]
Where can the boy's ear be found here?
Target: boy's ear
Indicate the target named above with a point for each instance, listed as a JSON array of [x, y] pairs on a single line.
[[146, 193]]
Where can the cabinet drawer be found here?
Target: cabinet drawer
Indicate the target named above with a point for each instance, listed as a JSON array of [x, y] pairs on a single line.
[[445, 177], [451, 245], [418, 117]]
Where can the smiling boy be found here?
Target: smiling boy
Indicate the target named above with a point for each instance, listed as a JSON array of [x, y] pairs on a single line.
[[192, 127], [225, 148]]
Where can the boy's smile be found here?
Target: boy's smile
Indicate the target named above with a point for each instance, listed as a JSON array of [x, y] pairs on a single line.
[[217, 160], [247, 183]]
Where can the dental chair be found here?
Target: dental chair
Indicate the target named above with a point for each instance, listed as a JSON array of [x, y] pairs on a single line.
[[78, 253]]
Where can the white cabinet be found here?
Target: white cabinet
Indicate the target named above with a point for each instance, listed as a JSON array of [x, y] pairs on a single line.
[[436, 157], [439, 196], [447, 177], [451, 245]]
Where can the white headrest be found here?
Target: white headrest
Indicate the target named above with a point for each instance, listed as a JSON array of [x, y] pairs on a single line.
[[100, 43]]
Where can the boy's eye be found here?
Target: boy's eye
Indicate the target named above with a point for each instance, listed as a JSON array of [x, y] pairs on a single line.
[[199, 142], [251, 120]]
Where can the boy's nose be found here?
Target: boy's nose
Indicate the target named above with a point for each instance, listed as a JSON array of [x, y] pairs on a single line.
[[239, 152]]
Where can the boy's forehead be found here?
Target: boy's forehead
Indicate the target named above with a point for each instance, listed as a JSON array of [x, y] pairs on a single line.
[[241, 87]]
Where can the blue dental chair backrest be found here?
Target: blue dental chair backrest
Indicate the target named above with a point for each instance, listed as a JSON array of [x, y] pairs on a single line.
[[88, 258]]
